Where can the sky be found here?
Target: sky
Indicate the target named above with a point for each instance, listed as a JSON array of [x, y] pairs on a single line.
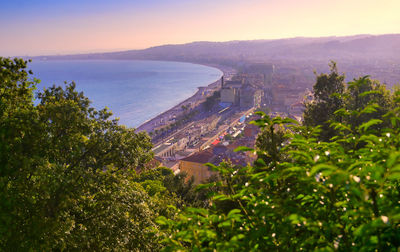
[[44, 27]]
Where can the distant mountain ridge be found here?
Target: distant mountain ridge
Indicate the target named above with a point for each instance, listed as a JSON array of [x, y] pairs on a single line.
[[355, 48]]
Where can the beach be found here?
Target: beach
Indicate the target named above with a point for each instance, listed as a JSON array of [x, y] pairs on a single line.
[[191, 102]]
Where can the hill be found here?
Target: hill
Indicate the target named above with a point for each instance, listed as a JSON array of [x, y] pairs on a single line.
[[355, 48]]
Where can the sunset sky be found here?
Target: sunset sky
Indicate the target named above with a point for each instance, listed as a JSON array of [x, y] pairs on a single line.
[[38, 27]]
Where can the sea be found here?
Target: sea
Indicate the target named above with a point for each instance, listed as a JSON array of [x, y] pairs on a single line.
[[134, 90]]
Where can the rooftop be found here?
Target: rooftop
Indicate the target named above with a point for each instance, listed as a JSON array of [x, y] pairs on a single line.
[[200, 157]]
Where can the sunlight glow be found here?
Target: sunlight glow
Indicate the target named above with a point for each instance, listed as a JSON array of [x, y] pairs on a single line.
[[71, 27]]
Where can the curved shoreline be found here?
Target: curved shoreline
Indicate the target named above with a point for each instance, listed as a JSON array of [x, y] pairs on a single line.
[[151, 124]]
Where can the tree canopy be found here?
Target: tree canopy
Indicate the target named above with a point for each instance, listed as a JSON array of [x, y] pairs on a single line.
[[68, 177], [67, 171], [332, 98]]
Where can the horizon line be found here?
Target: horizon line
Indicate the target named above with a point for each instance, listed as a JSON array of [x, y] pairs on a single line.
[[105, 51]]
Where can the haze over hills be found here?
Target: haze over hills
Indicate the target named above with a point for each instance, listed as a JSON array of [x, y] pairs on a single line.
[[358, 47], [358, 55]]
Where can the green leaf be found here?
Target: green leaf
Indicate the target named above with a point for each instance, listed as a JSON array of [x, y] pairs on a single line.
[[289, 120], [243, 148], [233, 212], [365, 126], [393, 157], [341, 112], [226, 223], [220, 197], [369, 93], [394, 176], [162, 220], [324, 168], [260, 162], [340, 126], [369, 109]]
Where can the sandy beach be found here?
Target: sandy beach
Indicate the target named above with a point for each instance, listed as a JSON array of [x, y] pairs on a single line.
[[199, 97]]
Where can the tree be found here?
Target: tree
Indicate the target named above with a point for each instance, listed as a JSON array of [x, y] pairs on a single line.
[[333, 100], [178, 188], [272, 137], [18, 129], [315, 195], [366, 93], [328, 91], [67, 172]]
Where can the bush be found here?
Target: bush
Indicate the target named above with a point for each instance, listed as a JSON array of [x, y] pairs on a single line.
[[305, 194]]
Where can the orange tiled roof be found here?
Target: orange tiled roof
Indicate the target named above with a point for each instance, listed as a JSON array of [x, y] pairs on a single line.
[[200, 157]]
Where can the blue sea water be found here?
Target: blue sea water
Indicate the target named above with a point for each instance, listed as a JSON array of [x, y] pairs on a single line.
[[134, 90]]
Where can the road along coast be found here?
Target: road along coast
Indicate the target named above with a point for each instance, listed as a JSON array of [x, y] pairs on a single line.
[[191, 102]]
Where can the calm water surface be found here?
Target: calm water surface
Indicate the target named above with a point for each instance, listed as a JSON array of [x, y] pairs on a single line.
[[134, 90]]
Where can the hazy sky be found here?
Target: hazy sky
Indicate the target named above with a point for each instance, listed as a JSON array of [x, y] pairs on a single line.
[[37, 27]]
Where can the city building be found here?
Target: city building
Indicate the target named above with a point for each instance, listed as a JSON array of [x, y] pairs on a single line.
[[230, 92], [250, 96], [166, 150], [194, 165]]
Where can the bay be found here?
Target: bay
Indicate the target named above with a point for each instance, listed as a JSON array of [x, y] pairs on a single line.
[[134, 90]]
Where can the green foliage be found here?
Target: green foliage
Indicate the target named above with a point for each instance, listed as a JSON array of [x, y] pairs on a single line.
[[228, 137], [68, 180], [366, 99], [328, 91], [272, 136], [333, 101], [309, 194], [67, 177]]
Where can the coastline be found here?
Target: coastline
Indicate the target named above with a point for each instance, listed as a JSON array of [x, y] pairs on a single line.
[[195, 99]]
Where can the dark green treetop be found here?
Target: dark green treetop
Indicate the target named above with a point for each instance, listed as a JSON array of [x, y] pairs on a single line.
[[67, 179]]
